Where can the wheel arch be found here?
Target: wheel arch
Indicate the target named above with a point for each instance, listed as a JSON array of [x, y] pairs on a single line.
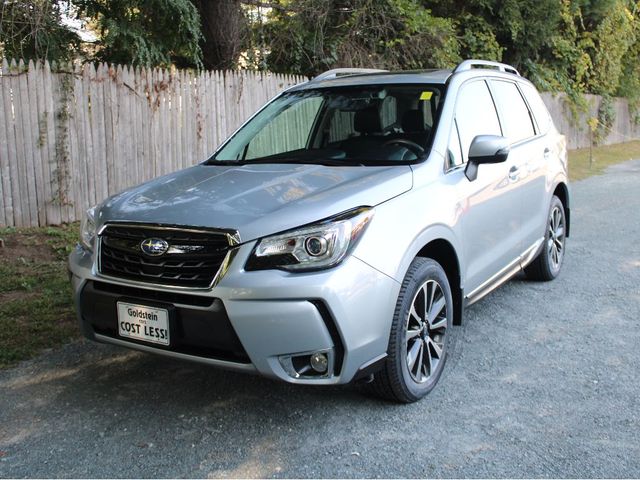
[[443, 252]]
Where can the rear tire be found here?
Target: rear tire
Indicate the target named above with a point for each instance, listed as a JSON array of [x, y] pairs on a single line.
[[420, 335], [549, 261]]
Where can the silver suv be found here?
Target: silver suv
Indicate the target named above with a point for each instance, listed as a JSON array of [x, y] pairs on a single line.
[[339, 234]]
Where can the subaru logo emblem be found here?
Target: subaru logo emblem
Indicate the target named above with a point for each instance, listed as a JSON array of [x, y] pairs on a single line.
[[154, 247]]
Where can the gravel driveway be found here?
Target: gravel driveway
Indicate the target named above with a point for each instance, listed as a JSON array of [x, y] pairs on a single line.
[[544, 381]]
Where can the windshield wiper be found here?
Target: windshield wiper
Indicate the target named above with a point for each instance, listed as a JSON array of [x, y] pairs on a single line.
[[224, 162]]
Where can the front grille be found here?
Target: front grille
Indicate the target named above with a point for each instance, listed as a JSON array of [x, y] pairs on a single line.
[[192, 260]]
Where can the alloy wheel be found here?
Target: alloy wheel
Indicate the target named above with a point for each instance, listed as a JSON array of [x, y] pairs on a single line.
[[426, 331], [555, 243]]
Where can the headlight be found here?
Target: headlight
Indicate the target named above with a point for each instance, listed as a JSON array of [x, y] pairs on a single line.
[[317, 246], [88, 229]]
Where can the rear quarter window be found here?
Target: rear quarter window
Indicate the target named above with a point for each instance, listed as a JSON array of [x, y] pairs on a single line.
[[538, 108], [515, 117]]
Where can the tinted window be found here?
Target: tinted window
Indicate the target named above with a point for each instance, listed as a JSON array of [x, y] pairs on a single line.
[[538, 107], [475, 114], [516, 120], [365, 125]]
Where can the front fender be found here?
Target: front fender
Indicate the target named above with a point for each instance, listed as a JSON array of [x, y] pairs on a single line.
[[397, 233]]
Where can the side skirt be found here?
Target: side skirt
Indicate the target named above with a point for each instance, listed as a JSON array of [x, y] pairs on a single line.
[[506, 273]]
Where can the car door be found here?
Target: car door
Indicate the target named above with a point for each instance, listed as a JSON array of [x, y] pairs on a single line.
[[489, 208], [548, 150], [528, 171]]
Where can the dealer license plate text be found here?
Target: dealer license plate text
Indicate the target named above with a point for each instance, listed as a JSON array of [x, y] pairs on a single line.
[[143, 323]]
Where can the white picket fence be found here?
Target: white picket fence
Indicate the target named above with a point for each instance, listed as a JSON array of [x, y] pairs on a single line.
[[72, 136]]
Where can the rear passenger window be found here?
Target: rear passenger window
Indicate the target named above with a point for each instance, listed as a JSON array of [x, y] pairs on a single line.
[[475, 114], [538, 108], [514, 113]]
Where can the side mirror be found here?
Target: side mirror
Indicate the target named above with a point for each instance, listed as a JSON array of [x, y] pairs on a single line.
[[485, 149]]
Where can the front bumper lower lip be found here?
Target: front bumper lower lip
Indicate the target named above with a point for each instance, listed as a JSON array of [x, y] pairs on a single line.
[[243, 367]]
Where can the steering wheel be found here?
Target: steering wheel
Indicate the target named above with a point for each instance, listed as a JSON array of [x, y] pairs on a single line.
[[408, 144]]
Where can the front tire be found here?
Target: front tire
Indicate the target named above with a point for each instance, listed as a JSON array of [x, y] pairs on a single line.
[[549, 261], [420, 334]]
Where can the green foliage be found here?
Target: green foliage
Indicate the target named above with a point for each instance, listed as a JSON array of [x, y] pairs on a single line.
[[309, 36], [32, 29], [477, 38], [606, 118], [612, 39], [146, 32], [573, 46], [629, 86]]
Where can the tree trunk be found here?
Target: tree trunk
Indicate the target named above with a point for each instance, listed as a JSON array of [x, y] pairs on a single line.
[[223, 27]]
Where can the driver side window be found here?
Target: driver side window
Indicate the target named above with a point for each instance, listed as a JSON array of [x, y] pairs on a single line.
[[475, 114]]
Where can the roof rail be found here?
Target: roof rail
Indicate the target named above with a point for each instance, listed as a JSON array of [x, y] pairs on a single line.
[[343, 72], [470, 64]]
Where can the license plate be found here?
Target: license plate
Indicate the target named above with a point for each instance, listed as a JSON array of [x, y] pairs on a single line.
[[143, 323]]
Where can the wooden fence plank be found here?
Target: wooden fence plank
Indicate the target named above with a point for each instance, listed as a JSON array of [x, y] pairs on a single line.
[[137, 150], [187, 156], [19, 166], [60, 161], [6, 140], [78, 159], [29, 99], [156, 127], [88, 138], [21, 98], [43, 126], [163, 139], [98, 113], [49, 150]]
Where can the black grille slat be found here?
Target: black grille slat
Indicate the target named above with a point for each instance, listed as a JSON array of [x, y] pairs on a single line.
[[193, 259]]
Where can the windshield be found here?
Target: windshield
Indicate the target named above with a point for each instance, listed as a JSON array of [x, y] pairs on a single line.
[[367, 125]]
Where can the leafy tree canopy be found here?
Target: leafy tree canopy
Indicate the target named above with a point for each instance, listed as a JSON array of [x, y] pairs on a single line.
[[146, 32], [575, 46], [34, 29], [308, 36]]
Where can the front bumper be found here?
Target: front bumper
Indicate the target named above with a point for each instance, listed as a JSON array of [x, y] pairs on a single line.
[[250, 321]]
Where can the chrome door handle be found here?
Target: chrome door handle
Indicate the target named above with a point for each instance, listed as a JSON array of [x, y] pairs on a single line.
[[514, 173], [547, 152]]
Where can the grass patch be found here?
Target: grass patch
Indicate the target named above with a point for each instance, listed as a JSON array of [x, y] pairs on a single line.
[[36, 310], [602, 158]]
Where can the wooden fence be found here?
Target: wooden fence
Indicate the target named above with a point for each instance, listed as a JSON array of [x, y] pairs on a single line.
[[578, 132], [70, 137]]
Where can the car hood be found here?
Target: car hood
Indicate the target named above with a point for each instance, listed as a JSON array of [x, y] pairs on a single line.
[[255, 200]]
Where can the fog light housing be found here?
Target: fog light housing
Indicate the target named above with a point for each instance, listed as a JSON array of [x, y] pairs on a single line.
[[319, 362], [309, 365]]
